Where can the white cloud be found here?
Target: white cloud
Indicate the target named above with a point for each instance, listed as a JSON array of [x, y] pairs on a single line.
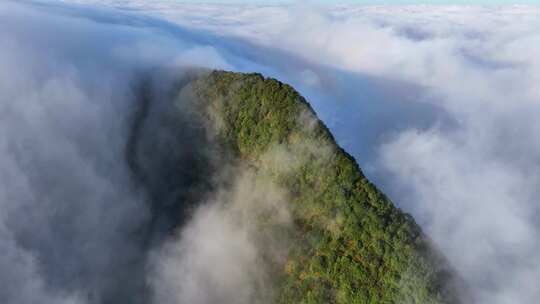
[[69, 212], [224, 252], [439, 104]]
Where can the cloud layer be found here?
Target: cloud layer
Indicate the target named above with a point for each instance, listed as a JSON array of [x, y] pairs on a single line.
[[225, 254], [438, 104]]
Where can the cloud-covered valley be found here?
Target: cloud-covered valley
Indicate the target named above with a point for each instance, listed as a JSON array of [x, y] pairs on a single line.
[[439, 105]]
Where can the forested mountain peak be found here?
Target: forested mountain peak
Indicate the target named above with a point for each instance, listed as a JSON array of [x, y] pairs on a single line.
[[345, 241]]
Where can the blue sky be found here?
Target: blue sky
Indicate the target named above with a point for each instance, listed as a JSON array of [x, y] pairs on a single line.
[[470, 2]]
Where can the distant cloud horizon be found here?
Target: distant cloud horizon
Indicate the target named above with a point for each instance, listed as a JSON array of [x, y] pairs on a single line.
[[370, 2]]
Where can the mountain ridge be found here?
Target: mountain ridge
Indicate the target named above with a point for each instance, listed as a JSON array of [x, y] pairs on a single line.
[[351, 244]]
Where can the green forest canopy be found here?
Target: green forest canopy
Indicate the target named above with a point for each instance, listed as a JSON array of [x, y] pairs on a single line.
[[351, 244]]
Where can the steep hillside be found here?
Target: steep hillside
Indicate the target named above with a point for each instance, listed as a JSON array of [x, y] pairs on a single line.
[[349, 244]]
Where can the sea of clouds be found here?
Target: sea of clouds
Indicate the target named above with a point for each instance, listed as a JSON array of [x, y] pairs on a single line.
[[440, 105]]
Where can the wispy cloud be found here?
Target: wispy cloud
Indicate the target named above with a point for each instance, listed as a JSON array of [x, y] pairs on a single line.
[[71, 218]]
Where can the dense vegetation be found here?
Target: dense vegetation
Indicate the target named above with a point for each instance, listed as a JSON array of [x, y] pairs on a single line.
[[351, 244]]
